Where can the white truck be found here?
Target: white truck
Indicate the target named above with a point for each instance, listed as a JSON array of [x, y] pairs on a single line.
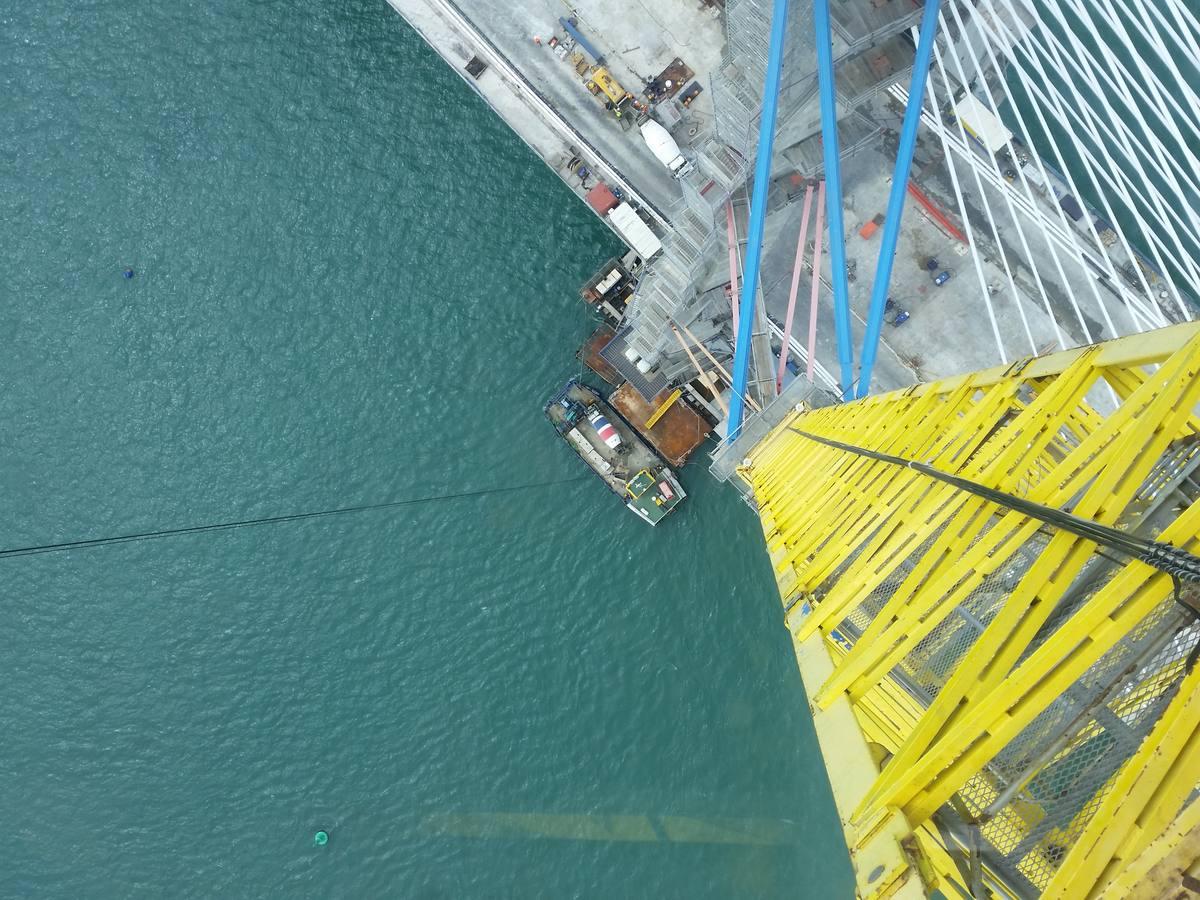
[[637, 234], [663, 146]]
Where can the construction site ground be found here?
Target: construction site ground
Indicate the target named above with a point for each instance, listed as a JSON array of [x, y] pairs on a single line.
[[949, 329], [638, 39]]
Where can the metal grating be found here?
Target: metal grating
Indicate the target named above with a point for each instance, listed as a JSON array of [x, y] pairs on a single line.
[[1036, 796]]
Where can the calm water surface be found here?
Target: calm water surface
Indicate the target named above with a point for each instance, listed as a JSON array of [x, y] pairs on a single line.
[[353, 284]]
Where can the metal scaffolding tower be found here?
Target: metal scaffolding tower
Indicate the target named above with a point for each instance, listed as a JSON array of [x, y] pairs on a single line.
[[724, 154], [1004, 704]]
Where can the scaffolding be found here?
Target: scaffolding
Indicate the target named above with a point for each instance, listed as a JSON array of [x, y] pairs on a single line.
[[722, 155], [670, 289]]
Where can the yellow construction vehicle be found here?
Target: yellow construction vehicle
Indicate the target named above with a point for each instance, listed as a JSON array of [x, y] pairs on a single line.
[[601, 78]]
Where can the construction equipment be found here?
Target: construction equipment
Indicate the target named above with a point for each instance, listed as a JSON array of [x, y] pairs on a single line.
[[663, 146], [600, 78]]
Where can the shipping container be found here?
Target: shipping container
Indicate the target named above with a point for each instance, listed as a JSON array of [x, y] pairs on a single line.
[[982, 124], [637, 234], [1071, 206]]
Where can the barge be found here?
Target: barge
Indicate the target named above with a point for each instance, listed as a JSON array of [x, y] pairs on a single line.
[[613, 449]]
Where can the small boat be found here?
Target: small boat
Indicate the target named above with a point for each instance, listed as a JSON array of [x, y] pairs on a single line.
[[614, 451]]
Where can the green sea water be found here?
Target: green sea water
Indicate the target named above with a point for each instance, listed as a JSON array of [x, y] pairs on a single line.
[[353, 284]]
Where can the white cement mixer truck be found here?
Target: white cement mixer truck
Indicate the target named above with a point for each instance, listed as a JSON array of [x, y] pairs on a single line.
[[663, 146]]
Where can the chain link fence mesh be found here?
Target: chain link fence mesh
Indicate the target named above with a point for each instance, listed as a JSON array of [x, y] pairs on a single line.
[[1033, 800]]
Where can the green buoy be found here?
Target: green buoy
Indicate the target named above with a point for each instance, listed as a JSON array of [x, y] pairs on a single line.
[[321, 838]]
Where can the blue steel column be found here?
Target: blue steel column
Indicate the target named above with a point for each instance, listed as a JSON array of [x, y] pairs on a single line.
[[895, 208], [758, 215], [833, 196]]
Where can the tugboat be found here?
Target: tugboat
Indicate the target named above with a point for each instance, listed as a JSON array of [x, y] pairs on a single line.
[[614, 451]]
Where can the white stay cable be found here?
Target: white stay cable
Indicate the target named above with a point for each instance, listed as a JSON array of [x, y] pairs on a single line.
[[981, 192], [1146, 139], [1062, 216], [1184, 36], [1012, 212], [1164, 93], [1152, 197], [1085, 157], [1144, 27], [1181, 196], [1142, 314], [961, 145], [1093, 126], [1132, 141], [1012, 150], [984, 291], [1187, 24]]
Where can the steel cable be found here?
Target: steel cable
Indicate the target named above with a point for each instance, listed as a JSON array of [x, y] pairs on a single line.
[[89, 543]]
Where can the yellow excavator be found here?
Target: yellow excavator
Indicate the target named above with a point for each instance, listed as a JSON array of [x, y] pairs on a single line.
[[601, 81]]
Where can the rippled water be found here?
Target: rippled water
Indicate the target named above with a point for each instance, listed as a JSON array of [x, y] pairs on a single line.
[[353, 284]]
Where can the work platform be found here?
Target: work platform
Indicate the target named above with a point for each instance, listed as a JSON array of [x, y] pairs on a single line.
[[677, 431], [589, 355]]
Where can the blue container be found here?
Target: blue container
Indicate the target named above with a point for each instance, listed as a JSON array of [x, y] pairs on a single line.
[[571, 29]]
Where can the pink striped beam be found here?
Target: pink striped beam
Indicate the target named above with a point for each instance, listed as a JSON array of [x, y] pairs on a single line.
[[796, 269], [816, 282], [731, 237]]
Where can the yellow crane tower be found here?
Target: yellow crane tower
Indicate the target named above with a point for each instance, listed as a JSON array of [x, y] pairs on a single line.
[[992, 594]]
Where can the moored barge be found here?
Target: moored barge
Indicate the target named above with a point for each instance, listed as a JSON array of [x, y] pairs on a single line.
[[614, 451]]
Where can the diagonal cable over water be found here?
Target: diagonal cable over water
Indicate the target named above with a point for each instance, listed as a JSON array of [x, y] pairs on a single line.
[[89, 543]]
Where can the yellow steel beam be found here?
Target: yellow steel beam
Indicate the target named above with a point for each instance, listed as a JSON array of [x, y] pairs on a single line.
[[1009, 634], [882, 867], [1149, 793], [663, 407], [1160, 869], [1127, 352], [954, 548], [893, 554], [1112, 485], [922, 506]]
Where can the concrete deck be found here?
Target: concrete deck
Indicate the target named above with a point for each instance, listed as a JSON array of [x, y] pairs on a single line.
[[948, 332], [950, 328], [511, 93], [544, 100], [638, 41]]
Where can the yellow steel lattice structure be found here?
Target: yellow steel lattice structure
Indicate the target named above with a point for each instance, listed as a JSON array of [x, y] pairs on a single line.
[[1005, 709]]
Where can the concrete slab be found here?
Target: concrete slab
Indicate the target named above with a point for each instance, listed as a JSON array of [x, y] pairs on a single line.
[[551, 135], [638, 40], [948, 332]]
